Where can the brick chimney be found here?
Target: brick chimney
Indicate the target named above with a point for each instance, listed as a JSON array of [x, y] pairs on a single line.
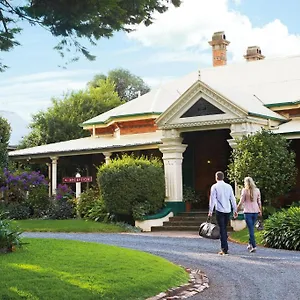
[[219, 51], [254, 53]]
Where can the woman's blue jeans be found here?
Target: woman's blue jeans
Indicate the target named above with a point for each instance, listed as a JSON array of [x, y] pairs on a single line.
[[250, 219]]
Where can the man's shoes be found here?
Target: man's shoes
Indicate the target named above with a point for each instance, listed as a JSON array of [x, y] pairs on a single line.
[[253, 249], [223, 252]]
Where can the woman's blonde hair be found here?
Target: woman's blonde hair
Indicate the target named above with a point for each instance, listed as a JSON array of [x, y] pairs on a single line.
[[250, 186]]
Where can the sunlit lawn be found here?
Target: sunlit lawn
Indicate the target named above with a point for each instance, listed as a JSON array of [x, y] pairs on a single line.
[[59, 269], [243, 236], [71, 225]]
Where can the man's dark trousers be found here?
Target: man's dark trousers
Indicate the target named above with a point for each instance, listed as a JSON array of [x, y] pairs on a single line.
[[222, 220]]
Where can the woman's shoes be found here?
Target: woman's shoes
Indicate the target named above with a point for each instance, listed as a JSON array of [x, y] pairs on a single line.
[[249, 247]]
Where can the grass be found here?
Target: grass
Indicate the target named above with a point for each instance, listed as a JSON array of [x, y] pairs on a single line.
[[59, 269], [73, 225], [243, 236]]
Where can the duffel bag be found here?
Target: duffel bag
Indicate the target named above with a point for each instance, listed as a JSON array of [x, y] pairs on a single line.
[[209, 230]]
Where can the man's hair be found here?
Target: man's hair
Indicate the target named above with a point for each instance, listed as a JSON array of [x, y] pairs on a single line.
[[220, 175]]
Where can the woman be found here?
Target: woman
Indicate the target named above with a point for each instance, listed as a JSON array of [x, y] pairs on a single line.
[[250, 199]]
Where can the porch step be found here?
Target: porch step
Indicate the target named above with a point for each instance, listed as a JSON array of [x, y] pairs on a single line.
[[186, 221], [175, 228]]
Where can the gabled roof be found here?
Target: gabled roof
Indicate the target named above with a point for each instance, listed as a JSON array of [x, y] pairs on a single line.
[[155, 102], [250, 85]]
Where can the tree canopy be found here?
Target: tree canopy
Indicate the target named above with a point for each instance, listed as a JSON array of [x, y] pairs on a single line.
[[61, 121], [128, 86], [5, 131], [267, 158], [71, 20]]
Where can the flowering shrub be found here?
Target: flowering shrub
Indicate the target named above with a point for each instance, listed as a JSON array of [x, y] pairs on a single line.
[[15, 185], [63, 204], [63, 191]]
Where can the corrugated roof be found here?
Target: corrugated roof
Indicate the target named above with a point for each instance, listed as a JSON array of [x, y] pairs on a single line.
[[293, 126], [250, 85], [91, 143]]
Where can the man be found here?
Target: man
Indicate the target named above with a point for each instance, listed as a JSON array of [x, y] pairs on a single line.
[[222, 199]]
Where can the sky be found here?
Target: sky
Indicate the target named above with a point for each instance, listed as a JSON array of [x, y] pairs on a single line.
[[174, 45]]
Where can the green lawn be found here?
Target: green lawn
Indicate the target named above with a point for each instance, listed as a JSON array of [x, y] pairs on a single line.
[[59, 269], [74, 225], [243, 236]]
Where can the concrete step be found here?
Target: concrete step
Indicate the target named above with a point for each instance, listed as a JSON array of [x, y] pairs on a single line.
[[175, 228], [182, 223]]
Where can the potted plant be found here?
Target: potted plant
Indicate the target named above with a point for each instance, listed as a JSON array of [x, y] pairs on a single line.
[[189, 197]]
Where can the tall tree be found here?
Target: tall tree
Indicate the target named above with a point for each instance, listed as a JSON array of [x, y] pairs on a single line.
[[5, 131], [74, 19], [128, 86], [61, 121], [267, 158]]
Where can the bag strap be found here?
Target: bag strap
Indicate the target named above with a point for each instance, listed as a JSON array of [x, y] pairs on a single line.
[[208, 220]]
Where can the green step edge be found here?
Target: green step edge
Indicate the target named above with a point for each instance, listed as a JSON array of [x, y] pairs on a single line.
[[175, 207]]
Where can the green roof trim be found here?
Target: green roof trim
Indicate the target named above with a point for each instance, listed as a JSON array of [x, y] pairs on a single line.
[[119, 117], [265, 117], [283, 104]]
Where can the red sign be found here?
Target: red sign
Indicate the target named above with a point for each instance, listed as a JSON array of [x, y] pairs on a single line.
[[77, 179]]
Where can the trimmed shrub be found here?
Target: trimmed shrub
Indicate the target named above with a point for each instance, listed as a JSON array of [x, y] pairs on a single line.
[[9, 235], [282, 229], [128, 181]]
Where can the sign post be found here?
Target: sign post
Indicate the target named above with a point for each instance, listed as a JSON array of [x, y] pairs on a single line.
[[78, 186], [78, 179]]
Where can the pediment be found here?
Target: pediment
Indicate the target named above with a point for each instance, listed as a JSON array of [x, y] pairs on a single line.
[[200, 106]]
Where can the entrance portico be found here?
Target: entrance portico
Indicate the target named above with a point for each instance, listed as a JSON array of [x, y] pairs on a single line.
[[205, 125]]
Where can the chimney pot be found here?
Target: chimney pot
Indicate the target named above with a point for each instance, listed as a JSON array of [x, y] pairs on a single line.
[[219, 48], [253, 54]]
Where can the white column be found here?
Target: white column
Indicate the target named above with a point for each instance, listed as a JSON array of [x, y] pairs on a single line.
[[107, 156], [54, 174], [49, 177], [78, 186], [172, 149]]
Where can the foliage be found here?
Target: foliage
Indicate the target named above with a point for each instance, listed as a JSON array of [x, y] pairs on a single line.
[[265, 157], [127, 181], [38, 200], [91, 206], [16, 184], [18, 211], [190, 195], [61, 121], [127, 85], [63, 206], [5, 130], [282, 229], [9, 235], [72, 20], [140, 209]]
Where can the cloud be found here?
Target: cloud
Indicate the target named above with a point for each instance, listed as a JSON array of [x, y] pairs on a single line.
[[192, 25], [29, 94]]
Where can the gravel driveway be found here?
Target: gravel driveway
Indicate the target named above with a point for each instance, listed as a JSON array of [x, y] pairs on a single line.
[[267, 274]]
